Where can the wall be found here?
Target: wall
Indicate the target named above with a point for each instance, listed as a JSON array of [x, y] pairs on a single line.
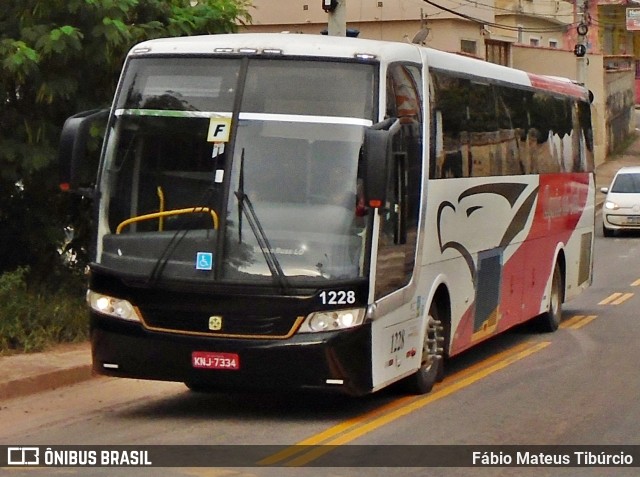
[[439, 35], [620, 105], [392, 20], [547, 30], [272, 12]]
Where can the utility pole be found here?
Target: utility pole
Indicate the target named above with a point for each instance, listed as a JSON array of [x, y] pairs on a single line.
[[337, 22], [580, 49]]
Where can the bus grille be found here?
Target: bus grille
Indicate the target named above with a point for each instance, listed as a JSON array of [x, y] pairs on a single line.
[[232, 325]]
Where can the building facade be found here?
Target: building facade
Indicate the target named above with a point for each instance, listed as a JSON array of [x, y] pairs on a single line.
[[485, 29]]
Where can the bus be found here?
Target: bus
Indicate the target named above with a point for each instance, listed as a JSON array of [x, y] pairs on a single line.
[[287, 211]]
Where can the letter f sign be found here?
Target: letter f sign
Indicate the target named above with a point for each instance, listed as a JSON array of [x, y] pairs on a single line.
[[219, 129]]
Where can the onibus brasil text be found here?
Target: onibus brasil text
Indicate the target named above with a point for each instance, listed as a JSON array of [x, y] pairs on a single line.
[[74, 457]]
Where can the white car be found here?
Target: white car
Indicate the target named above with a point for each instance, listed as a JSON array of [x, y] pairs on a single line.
[[621, 208]]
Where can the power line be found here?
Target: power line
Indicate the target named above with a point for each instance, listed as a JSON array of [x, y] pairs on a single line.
[[559, 28], [515, 12]]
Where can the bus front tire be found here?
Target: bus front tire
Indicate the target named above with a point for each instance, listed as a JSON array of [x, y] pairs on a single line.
[[432, 362]]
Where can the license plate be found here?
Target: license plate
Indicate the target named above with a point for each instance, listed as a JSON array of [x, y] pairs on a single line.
[[633, 220], [209, 360]]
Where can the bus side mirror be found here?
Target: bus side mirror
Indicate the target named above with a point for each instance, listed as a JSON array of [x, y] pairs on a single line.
[[377, 154], [76, 169]]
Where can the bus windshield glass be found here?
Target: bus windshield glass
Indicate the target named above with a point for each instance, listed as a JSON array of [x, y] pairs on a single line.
[[236, 171]]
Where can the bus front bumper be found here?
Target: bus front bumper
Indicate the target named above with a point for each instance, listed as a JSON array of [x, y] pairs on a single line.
[[336, 361]]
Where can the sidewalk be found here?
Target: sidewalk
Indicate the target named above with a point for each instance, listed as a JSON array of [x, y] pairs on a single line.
[[25, 374]]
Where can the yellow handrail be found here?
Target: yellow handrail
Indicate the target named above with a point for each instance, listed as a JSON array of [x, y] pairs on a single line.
[[156, 215], [161, 209]]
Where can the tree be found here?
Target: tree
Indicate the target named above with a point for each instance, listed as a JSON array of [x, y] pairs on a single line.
[[57, 58]]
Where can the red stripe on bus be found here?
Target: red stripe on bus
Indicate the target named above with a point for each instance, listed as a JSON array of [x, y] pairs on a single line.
[[563, 87]]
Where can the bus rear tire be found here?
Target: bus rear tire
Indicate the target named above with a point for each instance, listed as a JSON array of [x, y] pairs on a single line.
[[550, 320], [432, 362]]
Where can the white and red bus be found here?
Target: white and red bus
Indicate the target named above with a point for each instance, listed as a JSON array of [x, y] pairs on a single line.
[[296, 211]]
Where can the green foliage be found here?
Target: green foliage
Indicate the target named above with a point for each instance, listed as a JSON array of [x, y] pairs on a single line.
[[32, 321], [57, 58]]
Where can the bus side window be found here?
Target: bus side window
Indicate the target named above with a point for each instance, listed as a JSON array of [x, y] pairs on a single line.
[[399, 216]]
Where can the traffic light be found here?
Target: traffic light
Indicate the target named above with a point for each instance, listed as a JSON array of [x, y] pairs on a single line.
[[329, 5]]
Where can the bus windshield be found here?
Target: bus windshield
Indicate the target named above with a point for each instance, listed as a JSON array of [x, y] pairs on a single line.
[[236, 170]]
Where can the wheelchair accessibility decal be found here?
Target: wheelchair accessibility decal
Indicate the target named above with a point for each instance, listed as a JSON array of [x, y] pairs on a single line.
[[204, 261]]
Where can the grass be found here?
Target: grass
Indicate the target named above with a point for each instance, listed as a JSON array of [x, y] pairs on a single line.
[[33, 321]]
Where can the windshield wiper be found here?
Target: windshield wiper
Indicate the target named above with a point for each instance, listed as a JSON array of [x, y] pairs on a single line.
[[245, 206]]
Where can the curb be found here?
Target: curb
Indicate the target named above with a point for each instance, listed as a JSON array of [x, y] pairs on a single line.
[[44, 382], [30, 373]]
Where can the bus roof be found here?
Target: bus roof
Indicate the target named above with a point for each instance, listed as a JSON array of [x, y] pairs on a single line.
[[322, 46], [289, 44]]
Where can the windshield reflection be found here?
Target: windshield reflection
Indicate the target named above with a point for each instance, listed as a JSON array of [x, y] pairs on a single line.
[[304, 191]]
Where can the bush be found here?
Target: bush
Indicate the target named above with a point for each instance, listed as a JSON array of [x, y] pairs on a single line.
[[31, 321]]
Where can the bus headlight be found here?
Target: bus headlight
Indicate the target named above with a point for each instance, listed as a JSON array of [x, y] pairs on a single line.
[[108, 305], [332, 320]]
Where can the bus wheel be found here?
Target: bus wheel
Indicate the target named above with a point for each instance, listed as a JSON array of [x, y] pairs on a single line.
[[550, 320], [432, 362]]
